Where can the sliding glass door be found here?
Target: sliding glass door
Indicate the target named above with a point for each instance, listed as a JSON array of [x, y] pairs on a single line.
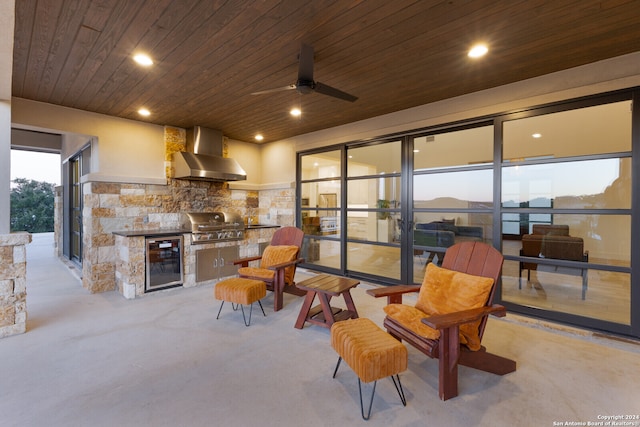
[[373, 216], [452, 192], [566, 213], [551, 187], [350, 210]]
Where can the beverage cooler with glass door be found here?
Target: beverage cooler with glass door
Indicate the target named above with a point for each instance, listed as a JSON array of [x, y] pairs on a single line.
[[164, 263]]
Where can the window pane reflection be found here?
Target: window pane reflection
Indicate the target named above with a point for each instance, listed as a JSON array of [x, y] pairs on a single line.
[[593, 130], [434, 232], [454, 190], [374, 193], [607, 294], [459, 148], [321, 165], [321, 252], [321, 195], [374, 159], [569, 185], [606, 239], [377, 260]]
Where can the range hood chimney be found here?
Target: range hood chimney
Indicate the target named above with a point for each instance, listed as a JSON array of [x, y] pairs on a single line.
[[203, 159]]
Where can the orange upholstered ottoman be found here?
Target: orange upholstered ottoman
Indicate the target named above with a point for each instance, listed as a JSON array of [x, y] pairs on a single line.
[[240, 291], [371, 353]]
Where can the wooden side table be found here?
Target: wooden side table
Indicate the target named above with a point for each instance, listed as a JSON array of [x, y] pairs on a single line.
[[326, 287]]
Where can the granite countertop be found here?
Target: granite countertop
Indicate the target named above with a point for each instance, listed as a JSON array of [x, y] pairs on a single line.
[[152, 233], [177, 231], [260, 226]]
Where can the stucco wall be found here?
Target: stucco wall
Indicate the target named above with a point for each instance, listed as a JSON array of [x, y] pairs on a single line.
[[126, 149], [7, 9], [122, 150]]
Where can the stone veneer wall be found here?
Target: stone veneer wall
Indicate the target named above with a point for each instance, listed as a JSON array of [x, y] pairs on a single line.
[[277, 206], [13, 283], [110, 207]]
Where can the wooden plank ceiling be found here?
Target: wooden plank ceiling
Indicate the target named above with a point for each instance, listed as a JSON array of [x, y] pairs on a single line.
[[211, 55]]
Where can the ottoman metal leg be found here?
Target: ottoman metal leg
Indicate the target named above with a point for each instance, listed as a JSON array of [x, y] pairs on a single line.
[[398, 386], [250, 310], [373, 392], [235, 307]]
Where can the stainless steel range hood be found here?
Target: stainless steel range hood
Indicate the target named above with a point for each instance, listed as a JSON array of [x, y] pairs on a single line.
[[203, 159]]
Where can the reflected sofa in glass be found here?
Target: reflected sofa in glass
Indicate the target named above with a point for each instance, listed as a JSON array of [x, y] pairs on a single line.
[[443, 234], [553, 241]]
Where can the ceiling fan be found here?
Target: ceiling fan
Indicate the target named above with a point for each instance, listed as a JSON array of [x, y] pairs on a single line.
[[305, 83]]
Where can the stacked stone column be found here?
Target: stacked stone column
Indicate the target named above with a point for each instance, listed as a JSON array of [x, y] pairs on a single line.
[[13, 283]]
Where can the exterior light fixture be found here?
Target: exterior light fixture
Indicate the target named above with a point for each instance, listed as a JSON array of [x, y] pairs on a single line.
[[295, 112], [143, 59], [144, 112], [478, 51], [537, 135], [259, 137]]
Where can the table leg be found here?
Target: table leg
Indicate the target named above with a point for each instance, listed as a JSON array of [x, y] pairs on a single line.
[[326, 309], [350, 305], [304, 310]]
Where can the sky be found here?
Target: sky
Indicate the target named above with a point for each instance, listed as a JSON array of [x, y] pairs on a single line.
[[37, 166]]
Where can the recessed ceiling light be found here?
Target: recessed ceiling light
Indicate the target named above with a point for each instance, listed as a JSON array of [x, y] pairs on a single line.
[[478, 50], [259, 137], [295, 112], [144, 112], [537, 135], [143, 59]]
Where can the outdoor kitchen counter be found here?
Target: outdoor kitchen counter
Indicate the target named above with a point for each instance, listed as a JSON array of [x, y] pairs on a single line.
[[260, 226], [152, 233], [173, 232], [130, 253]]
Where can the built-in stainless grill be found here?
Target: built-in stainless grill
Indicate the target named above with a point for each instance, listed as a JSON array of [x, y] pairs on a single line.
[[207, 227]]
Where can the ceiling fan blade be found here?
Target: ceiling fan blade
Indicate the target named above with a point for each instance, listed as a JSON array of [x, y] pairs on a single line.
[[331, 91], [279, 89], [305, 63]]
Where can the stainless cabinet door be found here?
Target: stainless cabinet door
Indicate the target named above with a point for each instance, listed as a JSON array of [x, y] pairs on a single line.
[[206, 264], [225, 261]]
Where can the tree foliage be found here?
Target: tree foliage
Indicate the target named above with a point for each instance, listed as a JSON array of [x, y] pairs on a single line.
[[32, 204]]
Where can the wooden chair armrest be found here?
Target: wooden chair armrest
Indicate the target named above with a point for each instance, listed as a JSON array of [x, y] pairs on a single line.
[[245, 261], [444, 321], [286, 264], [393, 293]]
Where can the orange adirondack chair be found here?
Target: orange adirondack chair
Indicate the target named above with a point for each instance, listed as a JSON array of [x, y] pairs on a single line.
[[277, 264], [466, 266]]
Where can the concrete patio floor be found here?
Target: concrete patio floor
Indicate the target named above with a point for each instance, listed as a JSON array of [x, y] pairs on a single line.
[[164, 360]]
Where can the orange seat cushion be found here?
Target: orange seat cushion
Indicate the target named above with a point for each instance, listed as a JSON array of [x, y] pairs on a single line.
[[257, 273], [370, 351], [240, 291], [273, 255], [445, 291]]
